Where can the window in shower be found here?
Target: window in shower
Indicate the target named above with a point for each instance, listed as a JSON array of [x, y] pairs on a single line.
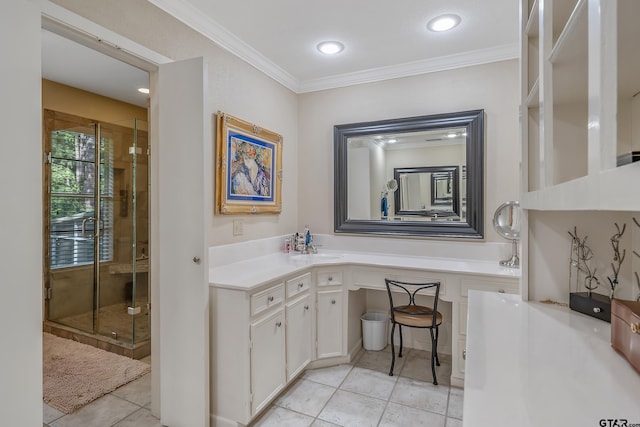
[[72, 187]]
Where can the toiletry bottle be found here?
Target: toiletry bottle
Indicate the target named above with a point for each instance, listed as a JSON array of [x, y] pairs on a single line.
[[307, 236]]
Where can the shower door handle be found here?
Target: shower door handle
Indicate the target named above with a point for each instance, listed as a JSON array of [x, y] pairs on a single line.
[[84, 227], [96, 233]]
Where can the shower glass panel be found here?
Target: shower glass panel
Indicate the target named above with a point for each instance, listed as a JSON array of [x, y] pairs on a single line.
[[109, 297], [125, 281]]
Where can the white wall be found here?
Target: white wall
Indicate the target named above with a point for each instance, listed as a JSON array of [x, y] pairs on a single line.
[[550, 246], [492, 87], [235, 88], [21, 216]]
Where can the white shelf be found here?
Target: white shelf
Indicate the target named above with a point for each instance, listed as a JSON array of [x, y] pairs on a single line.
[[577, 18], [601, 191]]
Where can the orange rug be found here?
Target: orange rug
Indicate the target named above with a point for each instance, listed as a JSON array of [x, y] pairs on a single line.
[[75, 374]]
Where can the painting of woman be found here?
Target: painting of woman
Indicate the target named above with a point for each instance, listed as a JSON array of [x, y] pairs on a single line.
[[250, 172]]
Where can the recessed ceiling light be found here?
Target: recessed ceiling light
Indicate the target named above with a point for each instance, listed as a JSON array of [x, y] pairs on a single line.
[[330, 47], [443, 22], [143, 90]]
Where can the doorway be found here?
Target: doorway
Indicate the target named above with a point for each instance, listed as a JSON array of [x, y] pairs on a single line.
[[96, 259]]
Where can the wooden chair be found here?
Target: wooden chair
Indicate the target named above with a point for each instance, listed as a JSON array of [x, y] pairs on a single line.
[[414, 316]]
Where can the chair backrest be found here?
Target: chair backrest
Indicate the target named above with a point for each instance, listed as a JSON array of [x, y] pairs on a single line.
[[411, 290]]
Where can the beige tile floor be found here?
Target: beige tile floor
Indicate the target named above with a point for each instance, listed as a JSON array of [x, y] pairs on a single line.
[[363, 394], [359, 394]]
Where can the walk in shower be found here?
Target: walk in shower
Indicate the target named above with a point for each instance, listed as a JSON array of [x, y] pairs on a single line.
[[96, 258]]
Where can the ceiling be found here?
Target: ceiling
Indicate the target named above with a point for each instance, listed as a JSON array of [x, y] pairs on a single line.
[[383, 39], [73, 64]]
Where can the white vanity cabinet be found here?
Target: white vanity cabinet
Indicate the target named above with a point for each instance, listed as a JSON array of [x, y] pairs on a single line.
[[268, 324], [267, 359], [299, 315], [329, 313], [260, 340], [329, 328]]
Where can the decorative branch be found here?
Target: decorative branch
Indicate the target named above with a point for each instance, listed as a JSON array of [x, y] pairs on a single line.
[[617, 257], [581, 254]]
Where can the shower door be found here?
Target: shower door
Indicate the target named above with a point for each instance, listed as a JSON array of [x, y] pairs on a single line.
[[91, 247]]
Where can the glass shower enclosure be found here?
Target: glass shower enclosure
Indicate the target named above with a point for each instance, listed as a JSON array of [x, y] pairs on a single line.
[[96, 234]]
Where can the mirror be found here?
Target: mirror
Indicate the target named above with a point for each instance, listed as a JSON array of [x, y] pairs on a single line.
[[506, 222], [428, 191], [437, 162]]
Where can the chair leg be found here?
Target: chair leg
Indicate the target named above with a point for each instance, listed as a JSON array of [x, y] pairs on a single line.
[[434, 352], [436, 347], [393, 349], [400, 330]]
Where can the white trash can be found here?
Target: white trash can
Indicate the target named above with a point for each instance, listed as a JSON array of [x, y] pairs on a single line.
[[374, 331]]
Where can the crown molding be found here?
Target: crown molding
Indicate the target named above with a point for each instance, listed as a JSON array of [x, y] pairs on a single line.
[[183, 11], [432, 65]]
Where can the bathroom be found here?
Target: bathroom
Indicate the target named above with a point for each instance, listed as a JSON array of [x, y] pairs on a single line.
[[306, 122]]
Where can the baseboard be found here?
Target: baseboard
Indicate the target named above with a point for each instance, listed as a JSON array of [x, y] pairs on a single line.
[[355, 351]]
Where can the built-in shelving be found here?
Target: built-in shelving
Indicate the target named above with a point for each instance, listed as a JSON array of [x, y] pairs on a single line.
[[580, 104]]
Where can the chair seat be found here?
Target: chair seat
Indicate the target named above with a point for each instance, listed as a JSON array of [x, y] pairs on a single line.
[[415, 315]]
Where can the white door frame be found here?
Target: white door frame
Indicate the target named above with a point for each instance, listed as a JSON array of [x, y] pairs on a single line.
[[74, 27]]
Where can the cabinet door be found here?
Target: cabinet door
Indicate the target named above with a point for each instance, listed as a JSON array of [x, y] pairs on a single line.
[[298, 335], [267, 359], [329, 323]]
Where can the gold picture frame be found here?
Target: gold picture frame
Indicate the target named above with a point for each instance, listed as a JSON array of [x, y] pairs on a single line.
[[248, 167]]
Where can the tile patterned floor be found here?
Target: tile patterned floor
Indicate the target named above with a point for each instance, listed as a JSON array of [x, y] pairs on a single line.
[[350, 395], [128, 406], [363, 394]]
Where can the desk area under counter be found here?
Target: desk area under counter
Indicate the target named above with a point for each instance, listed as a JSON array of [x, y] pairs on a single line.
[[310, 308]]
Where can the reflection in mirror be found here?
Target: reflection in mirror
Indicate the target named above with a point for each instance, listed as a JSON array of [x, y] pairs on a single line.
[[428, 191], [437, 162]]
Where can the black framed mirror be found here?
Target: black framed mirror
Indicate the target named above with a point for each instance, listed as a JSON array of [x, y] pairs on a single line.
[[428, 191], [449, 151]]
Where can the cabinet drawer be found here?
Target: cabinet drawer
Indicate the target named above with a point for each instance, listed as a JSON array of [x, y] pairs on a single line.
[[329, 278], [266, 299], [491, 285], [298, 284]]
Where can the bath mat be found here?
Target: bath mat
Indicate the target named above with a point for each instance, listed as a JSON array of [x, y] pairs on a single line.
[[75, 374]]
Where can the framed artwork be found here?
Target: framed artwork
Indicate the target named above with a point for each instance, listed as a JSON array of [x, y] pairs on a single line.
[[248, 167]]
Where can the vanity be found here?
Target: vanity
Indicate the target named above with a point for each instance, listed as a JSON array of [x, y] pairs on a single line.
[[275, 315]]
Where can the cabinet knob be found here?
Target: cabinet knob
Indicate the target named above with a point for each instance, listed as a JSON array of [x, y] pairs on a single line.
[[333, 301], [300, 285], [196, 259], [270, 298], [501, 291], [464, 354], [597, 309], [278, 324], [306, 307], [330, 278]]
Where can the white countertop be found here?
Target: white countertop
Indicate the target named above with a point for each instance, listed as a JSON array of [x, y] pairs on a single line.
[[534, 364], [254, 272]]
